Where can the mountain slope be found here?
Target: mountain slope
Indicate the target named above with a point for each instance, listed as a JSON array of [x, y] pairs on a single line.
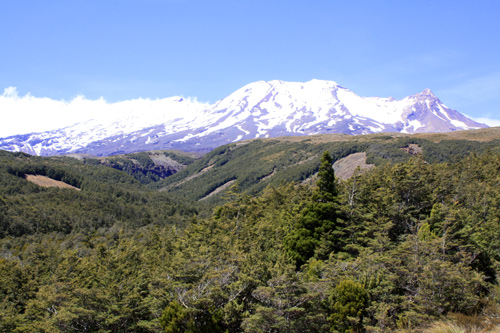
[[260, 109], [256, 164]]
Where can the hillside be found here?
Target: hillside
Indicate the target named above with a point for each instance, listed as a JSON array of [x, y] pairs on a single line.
[[39, 196], [257, 236], [146, 167], [257, 163], [48, 182]]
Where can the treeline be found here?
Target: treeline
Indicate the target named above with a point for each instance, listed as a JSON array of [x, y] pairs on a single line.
[[393, 249]]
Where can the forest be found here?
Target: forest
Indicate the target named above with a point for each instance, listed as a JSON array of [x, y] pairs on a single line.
[[411, 245]]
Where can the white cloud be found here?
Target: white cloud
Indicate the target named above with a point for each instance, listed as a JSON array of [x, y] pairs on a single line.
[[28, 114], [488, 121]]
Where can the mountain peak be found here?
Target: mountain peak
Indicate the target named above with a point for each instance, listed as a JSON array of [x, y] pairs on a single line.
[[325, 82], [314, 83], [427, 93], [257, 110]]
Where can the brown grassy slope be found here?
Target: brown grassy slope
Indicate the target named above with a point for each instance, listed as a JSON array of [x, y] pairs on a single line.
[[481, 135], [345, 167], [48, 182], [218, 189]]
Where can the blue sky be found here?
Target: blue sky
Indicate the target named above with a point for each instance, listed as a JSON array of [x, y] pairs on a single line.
[[126, 49]]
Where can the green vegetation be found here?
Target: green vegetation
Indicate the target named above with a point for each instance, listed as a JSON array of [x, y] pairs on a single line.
[[260, 163], [319, 226], [142, 166], [349, 300], [108, 197], [412, 244]]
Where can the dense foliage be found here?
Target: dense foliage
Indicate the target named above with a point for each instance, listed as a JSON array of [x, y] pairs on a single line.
[[393, 249], [107, 197]]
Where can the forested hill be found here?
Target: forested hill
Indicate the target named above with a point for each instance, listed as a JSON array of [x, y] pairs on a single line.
[[258, 163], [411, 244], [107, 197]]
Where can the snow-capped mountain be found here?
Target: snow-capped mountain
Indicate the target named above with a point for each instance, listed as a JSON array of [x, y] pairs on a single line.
[[258, 110]]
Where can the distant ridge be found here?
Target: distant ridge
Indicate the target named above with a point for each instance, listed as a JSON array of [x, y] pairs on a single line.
[[258, 110]]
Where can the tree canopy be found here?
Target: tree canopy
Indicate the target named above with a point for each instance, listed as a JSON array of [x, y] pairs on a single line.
[[393, 249]]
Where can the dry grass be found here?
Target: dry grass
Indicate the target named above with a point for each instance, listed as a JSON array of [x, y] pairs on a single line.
[[218, 189], [445, 327], [345, 167], [48, 182], [459, 323], [480, 135]]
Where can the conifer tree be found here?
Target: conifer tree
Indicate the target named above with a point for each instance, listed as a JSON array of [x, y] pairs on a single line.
[[317, 230], [326, 183]]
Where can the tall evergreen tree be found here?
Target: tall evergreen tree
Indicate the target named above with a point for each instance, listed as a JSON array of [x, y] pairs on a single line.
[[317, 230], [327, 185]]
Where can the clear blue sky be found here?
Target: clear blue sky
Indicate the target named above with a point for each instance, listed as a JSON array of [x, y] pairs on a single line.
[[125, 49]]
